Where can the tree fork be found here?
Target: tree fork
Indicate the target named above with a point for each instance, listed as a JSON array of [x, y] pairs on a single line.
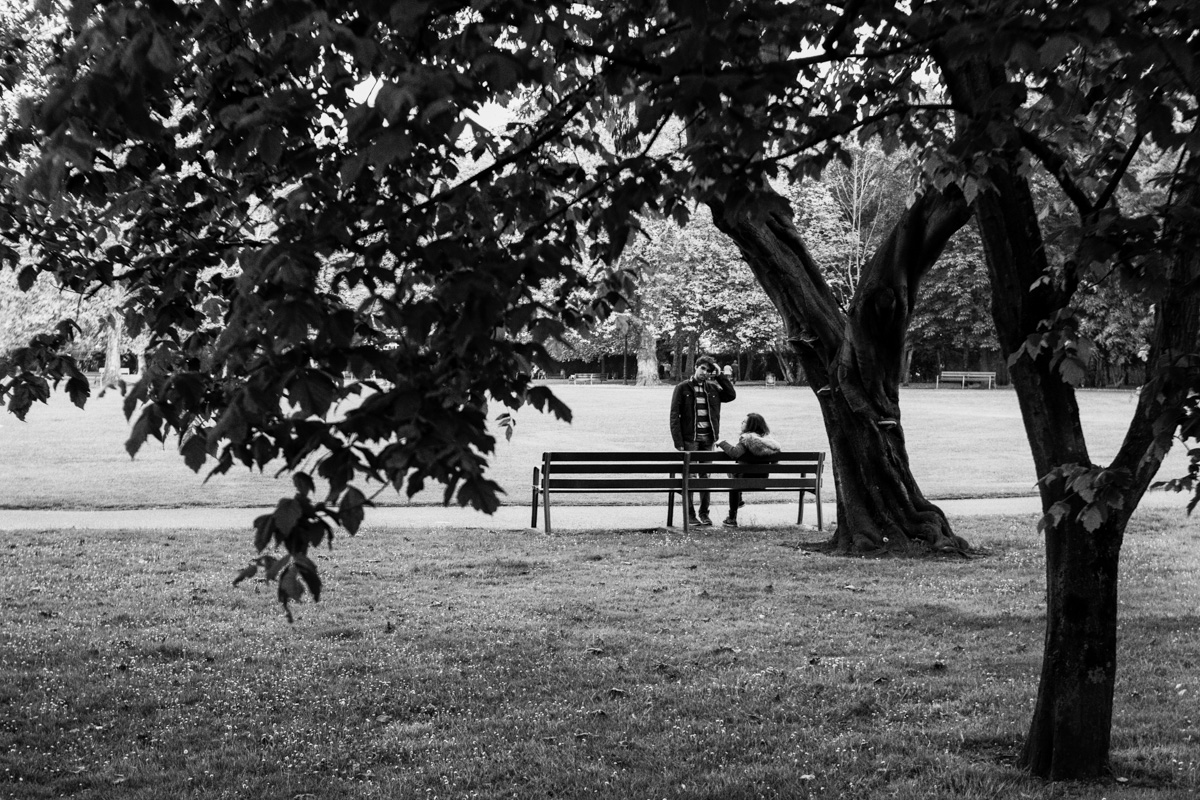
[[853, 360], [1069, 735]]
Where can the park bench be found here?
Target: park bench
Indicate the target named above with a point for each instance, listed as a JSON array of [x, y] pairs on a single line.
[[964, 377], [672, 472], [588, 377]]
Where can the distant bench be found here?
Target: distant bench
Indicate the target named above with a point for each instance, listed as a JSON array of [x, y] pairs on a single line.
[[587, 377], [673, 472], [964, 377]]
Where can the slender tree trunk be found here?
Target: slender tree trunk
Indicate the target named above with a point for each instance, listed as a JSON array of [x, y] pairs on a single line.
[[1069, 735], [853, 361], [111, 376], [785, 359], [676, 355]]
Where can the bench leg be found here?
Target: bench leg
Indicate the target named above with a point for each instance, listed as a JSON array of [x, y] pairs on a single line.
[[533, 505], [800, 510], [546, 489], [671, 505]]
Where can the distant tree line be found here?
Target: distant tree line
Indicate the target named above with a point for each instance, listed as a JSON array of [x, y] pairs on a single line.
[[696, 294]]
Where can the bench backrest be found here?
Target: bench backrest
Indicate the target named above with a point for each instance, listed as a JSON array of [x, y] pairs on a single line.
[[663, 469]]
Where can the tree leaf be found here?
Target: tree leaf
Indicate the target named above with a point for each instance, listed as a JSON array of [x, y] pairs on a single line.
[[275, 566], [195, 451], [248, 572], [308, 573], [313, 392], [1073, 371], [350, 510], [1098, 17], [1055, 51], [304, 484], [287, 513], [79, 389], [264, 526], [1093, 516], [290, 588]]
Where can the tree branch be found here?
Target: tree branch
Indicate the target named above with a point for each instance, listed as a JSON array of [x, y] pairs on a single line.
[[1120, 171], [1057, 166]]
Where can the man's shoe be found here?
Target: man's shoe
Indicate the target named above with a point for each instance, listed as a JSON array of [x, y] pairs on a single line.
[[704, 520], [693, 522], [729, 522]]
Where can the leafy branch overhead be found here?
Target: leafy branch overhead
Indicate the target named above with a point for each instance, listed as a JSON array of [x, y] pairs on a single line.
[[334, 259]]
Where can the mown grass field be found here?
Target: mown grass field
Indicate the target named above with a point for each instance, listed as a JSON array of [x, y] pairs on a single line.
[[509, 664], [962, 443], [446, 664]]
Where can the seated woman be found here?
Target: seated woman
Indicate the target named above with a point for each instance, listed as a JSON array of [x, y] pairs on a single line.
[[755, 446]]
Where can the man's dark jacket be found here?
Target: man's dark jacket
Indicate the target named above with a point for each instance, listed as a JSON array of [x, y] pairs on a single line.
[[683, 408]]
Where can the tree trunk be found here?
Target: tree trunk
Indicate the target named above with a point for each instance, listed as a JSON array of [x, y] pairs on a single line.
[[647, 357], [111, 376], [677, 355], [1072, 720], [853, 360], [786, 364], [1069, 735]]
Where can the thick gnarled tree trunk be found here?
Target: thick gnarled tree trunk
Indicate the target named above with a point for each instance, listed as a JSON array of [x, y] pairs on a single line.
[[853, 360], [647, 356]]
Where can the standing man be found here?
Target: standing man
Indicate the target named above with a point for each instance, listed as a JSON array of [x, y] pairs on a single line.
[[696, 419]]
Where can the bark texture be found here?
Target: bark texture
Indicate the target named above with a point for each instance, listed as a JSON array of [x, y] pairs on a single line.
[[853, 361], [647, 357]]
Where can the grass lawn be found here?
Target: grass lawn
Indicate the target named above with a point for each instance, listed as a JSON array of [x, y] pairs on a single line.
[[962, 443], [446, 664]]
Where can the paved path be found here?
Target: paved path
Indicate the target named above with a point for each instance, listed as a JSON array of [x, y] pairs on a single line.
[[506, 518]]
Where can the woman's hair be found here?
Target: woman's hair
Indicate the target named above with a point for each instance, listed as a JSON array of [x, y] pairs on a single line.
[[756, 424]]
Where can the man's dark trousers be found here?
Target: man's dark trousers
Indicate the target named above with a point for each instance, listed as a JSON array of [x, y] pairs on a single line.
[[693, 447]]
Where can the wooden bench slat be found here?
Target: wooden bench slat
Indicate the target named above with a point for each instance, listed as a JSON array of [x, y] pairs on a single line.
[[623, 469], [742, 485], [633, 484], [734, 467], [614, 456]]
